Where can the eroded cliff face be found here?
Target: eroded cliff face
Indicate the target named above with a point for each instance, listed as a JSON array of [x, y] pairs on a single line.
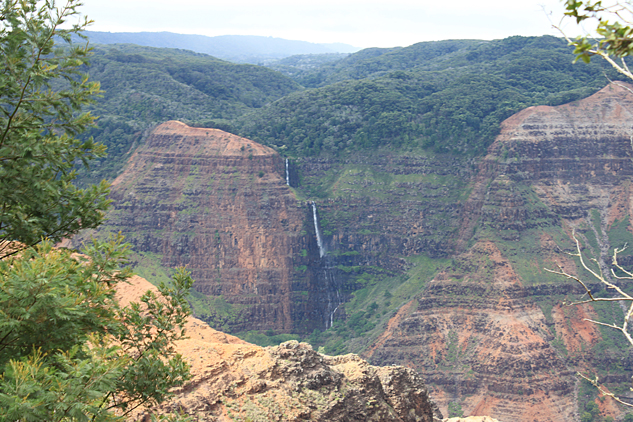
[[476, 333], [489, 331], [219, 205], [235, 380]]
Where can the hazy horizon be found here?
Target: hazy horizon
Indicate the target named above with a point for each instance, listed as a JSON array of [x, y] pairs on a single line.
[[361, 24]]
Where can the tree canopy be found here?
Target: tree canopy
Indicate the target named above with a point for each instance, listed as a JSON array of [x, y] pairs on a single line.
[[68, 350], [42, 92], [612, 39]]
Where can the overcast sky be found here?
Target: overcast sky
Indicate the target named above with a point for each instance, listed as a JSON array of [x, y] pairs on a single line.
[[361, 23]]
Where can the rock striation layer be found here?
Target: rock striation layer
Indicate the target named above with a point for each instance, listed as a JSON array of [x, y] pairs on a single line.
[[489, 331], [490, 326], [219, 205]]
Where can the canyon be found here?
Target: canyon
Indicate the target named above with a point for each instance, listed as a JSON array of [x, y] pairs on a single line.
[[219, 205], [443, 254], [486, 327]]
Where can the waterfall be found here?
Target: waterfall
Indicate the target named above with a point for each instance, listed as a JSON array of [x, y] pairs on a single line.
[[330, 285], [338, 299], [287, 174], [318, 232]]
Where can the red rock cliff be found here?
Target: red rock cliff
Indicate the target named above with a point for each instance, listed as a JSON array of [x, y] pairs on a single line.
[[217, 204], [489, 331]]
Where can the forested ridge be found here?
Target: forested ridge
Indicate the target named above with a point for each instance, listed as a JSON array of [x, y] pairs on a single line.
[[145, 86], [449, 96]]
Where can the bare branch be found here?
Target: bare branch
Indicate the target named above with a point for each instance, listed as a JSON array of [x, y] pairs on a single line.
[[594, 382], [621, 296], [565, 274]]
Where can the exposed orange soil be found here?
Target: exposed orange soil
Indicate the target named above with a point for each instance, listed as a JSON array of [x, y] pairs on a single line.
[[211, 141], [619, 203], [570, 322], [608, 406], [196, 330], [235, 380], [484, 406]]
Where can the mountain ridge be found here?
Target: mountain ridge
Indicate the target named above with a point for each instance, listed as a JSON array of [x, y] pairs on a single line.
[[434, 241], [236, 48]]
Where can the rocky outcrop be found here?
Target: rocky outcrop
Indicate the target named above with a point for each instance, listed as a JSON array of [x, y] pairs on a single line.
[[234, 380], [488, 332]]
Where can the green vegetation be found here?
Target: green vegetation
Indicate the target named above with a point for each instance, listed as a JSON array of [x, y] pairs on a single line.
[[268, 338], [455, 410], [68, 350], [591, 413], [450, 101], [148, 265], [379, 295], [216, 311], [146, 86], [447, 96], [38, 128]]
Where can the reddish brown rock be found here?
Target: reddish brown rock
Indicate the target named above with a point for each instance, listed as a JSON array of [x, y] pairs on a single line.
[[235, 380], [219, 205], [477, 333], [473, 333]]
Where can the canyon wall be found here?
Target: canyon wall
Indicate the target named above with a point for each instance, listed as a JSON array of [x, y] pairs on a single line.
[[489, 331], [217, 204], [441, 255]]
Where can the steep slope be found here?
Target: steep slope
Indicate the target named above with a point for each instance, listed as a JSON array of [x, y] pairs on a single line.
[[490, 326], [219, 205], [235, 380], [489, 331]]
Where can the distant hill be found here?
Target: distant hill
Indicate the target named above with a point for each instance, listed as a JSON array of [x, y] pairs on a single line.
[[443, 95], [145, 86], [236, 48]]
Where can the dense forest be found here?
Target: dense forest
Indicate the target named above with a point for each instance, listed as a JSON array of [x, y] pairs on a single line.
[[434, 99], [446, 95], [449, 96], [145, 86]]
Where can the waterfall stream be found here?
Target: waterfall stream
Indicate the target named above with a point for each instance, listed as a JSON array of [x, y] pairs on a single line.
[[288, 174], [328, 275], [318, 232]]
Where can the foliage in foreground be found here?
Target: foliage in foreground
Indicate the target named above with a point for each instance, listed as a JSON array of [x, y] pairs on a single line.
[[39, 126], [69, 351]]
